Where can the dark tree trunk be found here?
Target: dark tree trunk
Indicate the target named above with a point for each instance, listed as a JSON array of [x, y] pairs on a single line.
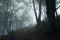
[[39, 16], [50, 5]]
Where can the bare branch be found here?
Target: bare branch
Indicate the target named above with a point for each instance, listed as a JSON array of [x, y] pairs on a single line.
[[39, 17], [35, 10], [57, 7]]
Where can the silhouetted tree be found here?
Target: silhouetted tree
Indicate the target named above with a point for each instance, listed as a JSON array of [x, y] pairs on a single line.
[[51, 7]]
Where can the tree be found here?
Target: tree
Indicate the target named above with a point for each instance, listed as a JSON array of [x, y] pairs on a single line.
[[38, 19], [51, 7], [7, 8]]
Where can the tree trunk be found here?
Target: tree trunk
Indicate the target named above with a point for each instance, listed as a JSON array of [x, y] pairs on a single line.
[[39, 16], [50, 5]]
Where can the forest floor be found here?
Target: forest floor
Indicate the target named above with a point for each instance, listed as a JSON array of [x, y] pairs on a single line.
[[28, 34], [22, 34]]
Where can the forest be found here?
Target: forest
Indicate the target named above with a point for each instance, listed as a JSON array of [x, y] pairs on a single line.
[[29, 19]]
